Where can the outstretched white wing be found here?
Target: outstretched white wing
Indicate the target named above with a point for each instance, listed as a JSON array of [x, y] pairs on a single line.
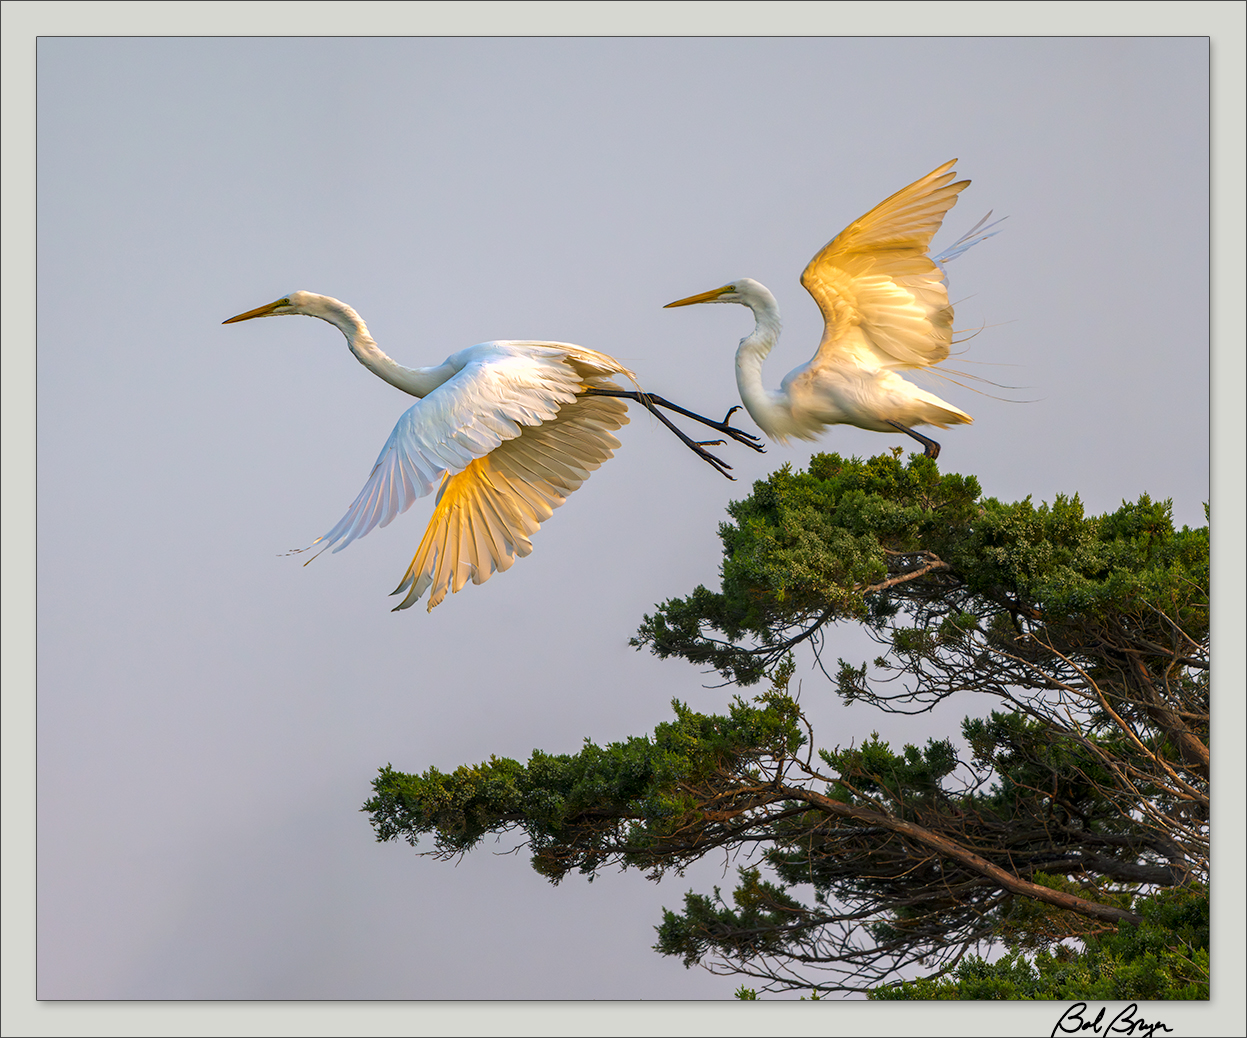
[[508, 437], [883, 299]]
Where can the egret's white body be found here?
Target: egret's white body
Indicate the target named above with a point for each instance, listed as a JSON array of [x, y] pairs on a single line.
[[507, 429], [885, 309]]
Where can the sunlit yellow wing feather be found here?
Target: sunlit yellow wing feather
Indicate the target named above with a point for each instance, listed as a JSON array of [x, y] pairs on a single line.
[[883, 299], [486, 513]]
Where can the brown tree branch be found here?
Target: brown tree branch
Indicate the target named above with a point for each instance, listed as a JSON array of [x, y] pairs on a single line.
[[966, 857]]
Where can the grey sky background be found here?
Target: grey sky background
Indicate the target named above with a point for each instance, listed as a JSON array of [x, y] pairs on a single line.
[[211, 712]]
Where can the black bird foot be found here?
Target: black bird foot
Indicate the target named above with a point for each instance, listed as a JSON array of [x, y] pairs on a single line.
[[929, 447], [652, 402], [699, 448], [739, 435]]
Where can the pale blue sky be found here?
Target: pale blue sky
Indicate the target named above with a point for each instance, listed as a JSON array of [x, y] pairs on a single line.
[[211, 712]]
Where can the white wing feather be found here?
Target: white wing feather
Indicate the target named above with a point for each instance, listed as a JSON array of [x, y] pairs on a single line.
[[507, 437], [971, 238], [496, 392]]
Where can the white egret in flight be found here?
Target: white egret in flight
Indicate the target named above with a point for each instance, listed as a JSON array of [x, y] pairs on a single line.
[[507, 429], [885, 308]]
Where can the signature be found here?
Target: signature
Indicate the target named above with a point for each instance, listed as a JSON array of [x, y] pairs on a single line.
[[1127, 1021]]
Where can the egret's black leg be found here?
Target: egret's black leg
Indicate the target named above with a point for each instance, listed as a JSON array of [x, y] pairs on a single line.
[[929, 447], [698, 448], [739, 435]]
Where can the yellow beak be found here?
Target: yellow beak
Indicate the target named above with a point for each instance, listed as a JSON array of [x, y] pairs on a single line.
[[259, 311], [704, 297]]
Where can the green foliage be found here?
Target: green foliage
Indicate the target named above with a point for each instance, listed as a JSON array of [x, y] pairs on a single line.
[[616, 803], [914, 776], [755, 926], [1030, 925], [1083, 803], [803, 548], [706, 781], [1163, 958], [814, 547]]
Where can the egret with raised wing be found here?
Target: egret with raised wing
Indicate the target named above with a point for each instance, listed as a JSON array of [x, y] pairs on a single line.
[[885, 309], [506, 430]]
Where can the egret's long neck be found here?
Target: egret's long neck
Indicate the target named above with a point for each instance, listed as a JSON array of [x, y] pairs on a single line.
[[416, 381], [764, 407]]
